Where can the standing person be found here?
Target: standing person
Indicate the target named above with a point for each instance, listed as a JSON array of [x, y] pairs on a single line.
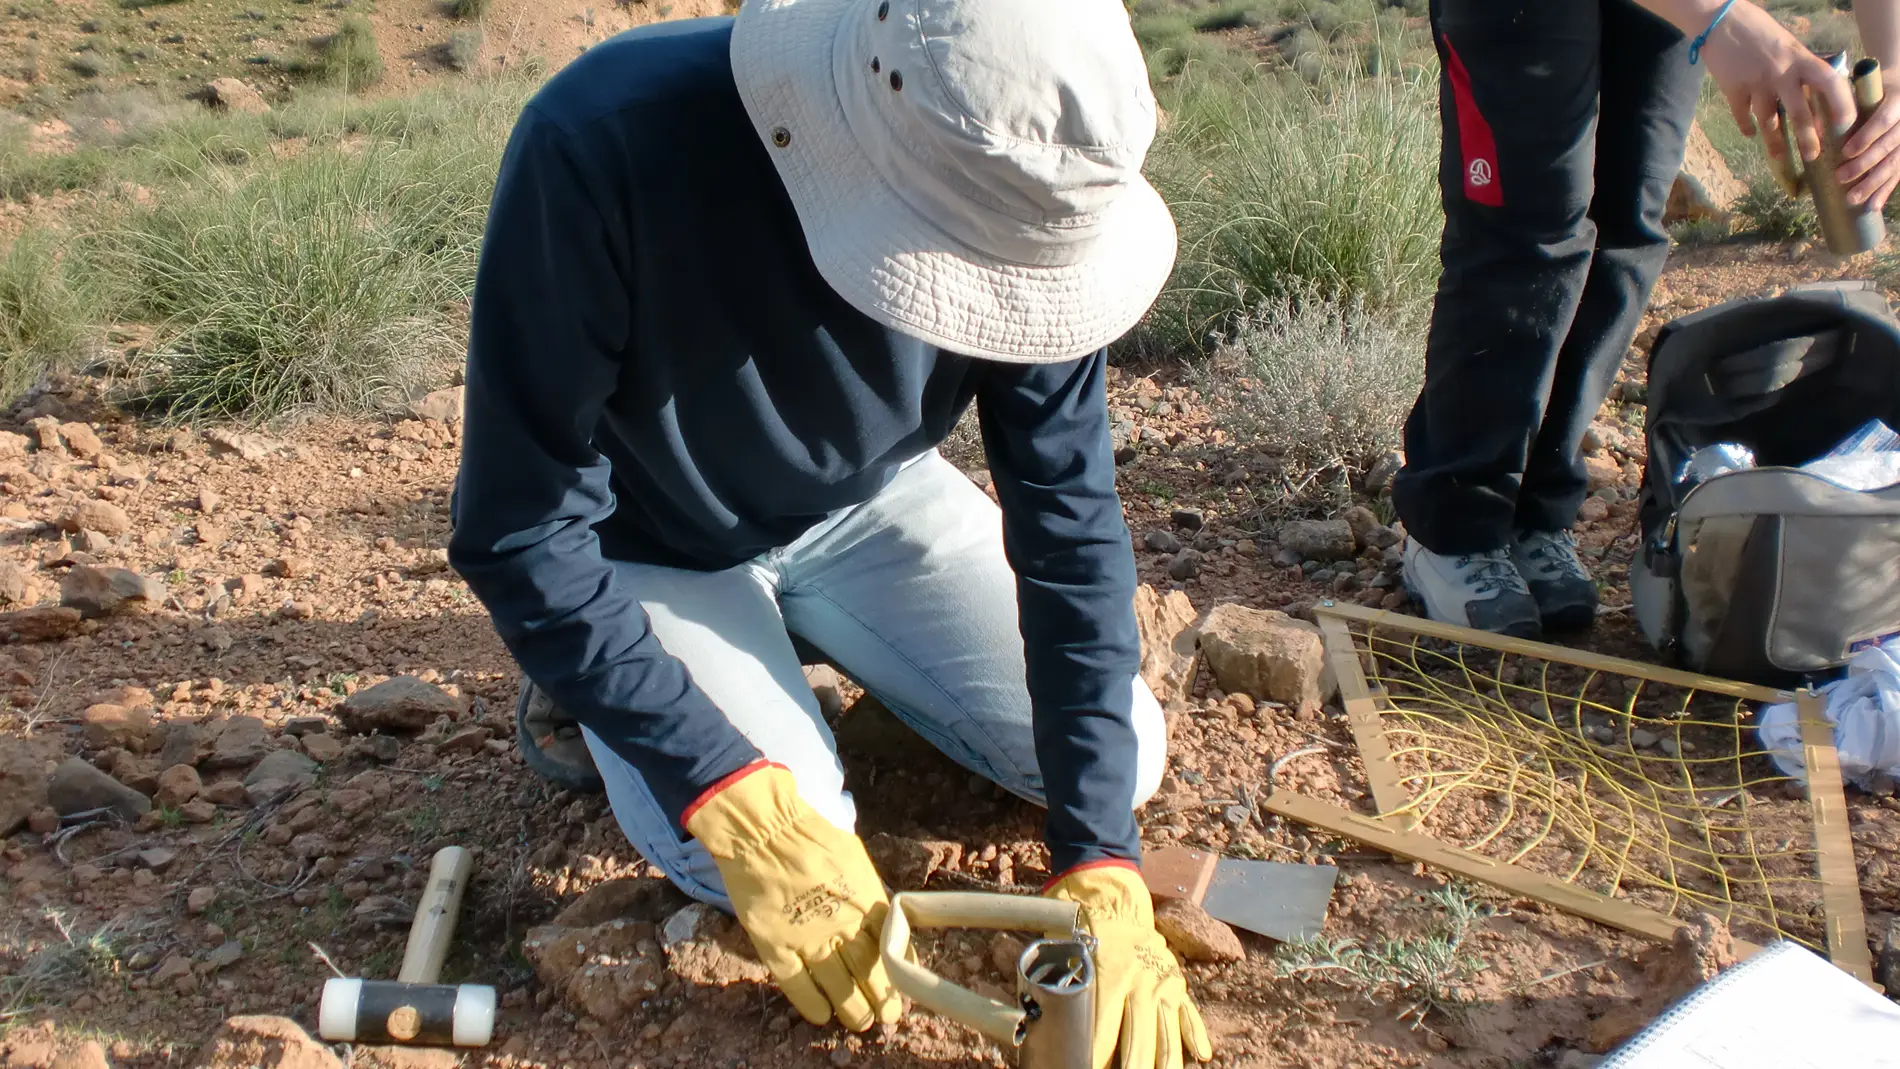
[[740, 278], [1563, 129]]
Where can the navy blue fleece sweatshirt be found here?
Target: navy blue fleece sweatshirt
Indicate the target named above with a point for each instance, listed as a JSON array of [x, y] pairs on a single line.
[[658, 373]]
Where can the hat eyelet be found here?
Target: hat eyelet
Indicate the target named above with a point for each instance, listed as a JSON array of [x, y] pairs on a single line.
[[875, 65], [781, 136], [897, 81], [884, 10]]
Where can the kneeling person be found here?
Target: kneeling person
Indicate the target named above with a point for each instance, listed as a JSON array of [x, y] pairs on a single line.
[[741, 277]]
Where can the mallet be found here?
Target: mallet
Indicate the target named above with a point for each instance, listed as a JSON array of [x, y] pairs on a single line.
[[413, 1008]]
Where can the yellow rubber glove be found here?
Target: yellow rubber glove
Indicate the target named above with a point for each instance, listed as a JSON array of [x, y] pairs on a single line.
[[1140, 994], [804, 891]]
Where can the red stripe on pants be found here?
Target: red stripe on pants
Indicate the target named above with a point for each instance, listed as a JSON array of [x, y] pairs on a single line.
[[1475, 143]]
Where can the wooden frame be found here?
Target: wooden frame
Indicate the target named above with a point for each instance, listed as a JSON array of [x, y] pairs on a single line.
[[1846, 923]]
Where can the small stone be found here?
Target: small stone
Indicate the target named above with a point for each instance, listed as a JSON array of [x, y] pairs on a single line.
[[14, 584], [77, 787], [232, 94], [1643, 739], [225, 792], [157, 858], [1162, 541], [385, 749], [108, 725], [1188, 519], [1669, 747], [43, 821], [198, 812], [209, 500], [200, 899], [182, 743], [1236, 815], [1379, 477], [284, 766], [1266, 654], [1593, 510], [403, 703], [468, 740], [42, 623], [1194, 935], [240, 742], [101, 516], [1319, 540], [322, 748], [81, 439], [177, 785], [225, 956], [291, 567], [1186, 565], [99, 592], [443, 406], [298, 726]]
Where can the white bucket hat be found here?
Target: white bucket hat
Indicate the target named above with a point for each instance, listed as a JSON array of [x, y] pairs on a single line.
[[966, 172]]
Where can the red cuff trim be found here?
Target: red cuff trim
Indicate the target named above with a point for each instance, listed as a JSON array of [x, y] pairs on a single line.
[[725, 781], [1099, 863]]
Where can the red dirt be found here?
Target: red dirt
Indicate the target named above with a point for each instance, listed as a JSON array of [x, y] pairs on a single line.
[[319, 571]]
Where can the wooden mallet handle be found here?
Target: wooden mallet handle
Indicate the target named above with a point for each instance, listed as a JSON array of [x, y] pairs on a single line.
[[434, 926]]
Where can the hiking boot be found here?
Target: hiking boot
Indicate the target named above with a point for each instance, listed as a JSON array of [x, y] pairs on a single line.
[[551, 742], [1479, 590], [1566, 595]]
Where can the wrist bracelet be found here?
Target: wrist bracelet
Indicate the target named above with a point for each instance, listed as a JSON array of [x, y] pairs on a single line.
[[1695, 46]]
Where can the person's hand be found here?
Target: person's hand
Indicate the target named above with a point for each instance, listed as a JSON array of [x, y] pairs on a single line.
[[1757, 64], [1870, 168], [805, 892], [1140, 995]]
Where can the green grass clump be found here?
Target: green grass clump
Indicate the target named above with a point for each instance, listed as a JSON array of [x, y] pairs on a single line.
[[1431, 970], [42, 317], [321, 284], [1283, 190], [348, 58], [468, 9], [1766, 211]]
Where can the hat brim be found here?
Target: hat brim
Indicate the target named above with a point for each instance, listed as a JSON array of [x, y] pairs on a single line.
[[886, 260]]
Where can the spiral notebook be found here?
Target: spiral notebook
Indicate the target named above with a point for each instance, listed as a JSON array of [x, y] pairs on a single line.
[[1784, 1008]]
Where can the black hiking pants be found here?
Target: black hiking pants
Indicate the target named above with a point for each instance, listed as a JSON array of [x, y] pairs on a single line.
[[1563, 128]]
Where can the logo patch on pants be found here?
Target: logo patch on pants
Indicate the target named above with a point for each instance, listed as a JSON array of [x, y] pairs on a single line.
[[1475, 143]]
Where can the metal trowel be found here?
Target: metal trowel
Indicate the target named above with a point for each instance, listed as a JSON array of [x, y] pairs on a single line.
[[1280, 901]]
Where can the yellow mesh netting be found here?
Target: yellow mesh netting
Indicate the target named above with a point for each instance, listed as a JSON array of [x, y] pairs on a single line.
[[1655, 792]]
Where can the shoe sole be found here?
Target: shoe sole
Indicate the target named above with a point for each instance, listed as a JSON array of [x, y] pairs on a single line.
[[585, 779], [1570, 618]]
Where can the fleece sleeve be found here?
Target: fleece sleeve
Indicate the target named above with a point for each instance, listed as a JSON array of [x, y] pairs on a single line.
[[550, 320], [1045, 430]]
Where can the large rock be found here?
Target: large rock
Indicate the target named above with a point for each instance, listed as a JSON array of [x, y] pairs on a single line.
[[1265, 654], [88, 1055], [907, 864], [230, 94], [106, 591], [177, 785], [1167, 644], [1194, 935], [23, 779], [403, 703], [77, 787], [240, 742], [1704, 188], [13, 445], [627, 898], [265, 1043], [102, 516], [705, 946], [81, 439], [1320, 540], [42, 623]]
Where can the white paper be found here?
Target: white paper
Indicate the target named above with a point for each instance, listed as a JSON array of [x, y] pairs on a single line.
[[1785, 1008]]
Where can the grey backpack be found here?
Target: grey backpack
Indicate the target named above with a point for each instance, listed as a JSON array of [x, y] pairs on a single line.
[[1765, 571]]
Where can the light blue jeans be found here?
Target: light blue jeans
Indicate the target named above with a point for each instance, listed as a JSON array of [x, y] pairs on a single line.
[[911, 595]]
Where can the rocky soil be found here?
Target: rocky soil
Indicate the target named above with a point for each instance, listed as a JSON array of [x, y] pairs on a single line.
[[243, 700]]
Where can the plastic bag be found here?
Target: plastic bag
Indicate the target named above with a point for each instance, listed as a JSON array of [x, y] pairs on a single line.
[[1868, 459], [1712, 460], [1863, 706]]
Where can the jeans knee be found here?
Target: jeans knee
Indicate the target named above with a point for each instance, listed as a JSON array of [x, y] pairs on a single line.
[[1151, 743]]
